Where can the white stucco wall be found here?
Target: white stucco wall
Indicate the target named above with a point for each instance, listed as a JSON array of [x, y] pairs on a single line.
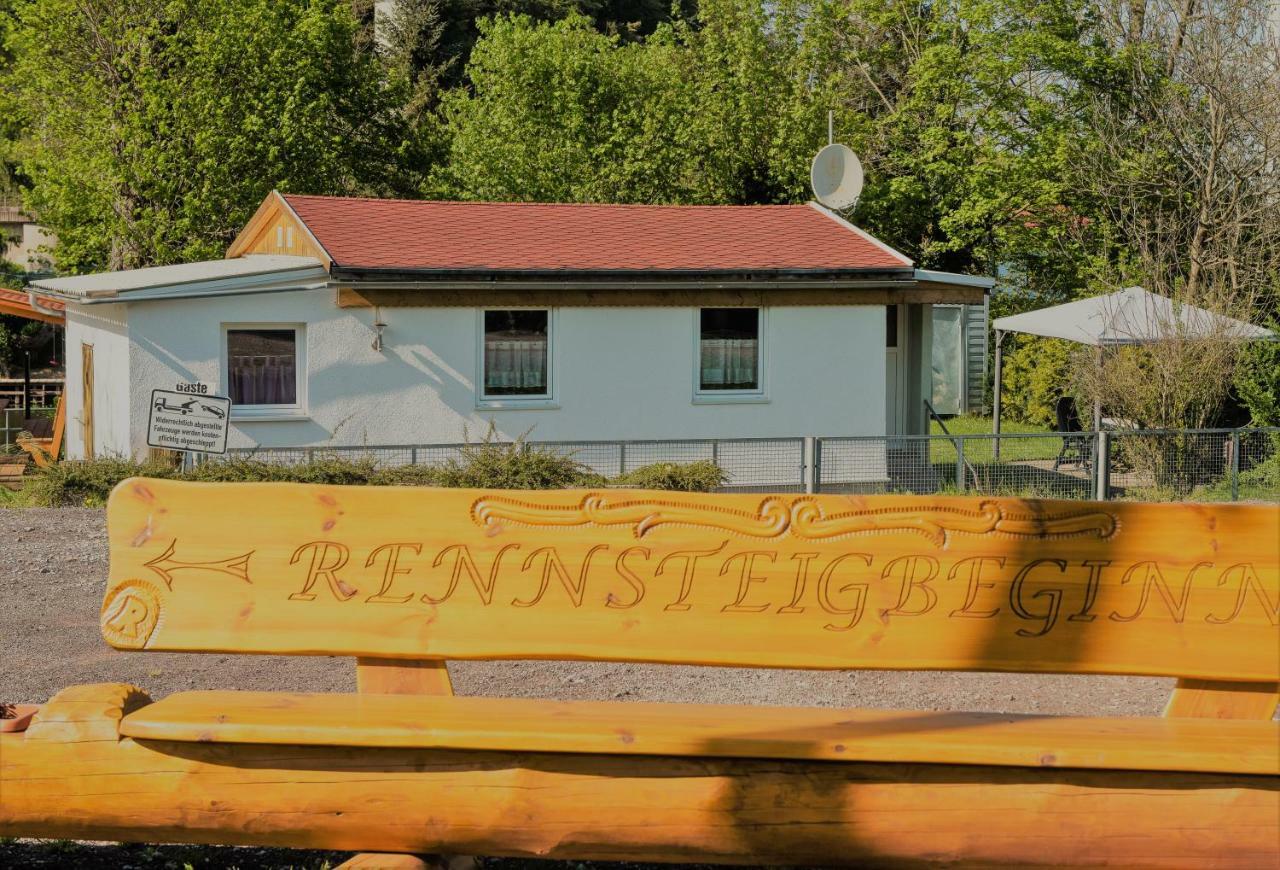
[[105, 327], [619, 373]]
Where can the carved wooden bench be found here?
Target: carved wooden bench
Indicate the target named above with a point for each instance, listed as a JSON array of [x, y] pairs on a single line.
[[404, 579]]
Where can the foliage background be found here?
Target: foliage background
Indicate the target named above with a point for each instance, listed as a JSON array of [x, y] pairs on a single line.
[[1069, 147]]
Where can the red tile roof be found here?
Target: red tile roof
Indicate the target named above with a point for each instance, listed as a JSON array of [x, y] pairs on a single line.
[[17, 302], [416, 235]]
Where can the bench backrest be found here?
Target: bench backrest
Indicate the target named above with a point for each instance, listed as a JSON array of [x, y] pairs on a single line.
[[907, 582]]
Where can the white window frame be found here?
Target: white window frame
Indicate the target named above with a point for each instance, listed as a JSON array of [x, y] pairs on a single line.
[[268, 413], [728, 397], [519, 403]]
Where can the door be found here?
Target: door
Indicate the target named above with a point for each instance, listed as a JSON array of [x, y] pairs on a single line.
[[86, 387], [895, 372]]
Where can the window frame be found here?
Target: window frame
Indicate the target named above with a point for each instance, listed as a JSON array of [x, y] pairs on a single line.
[[549, 399], [267, 413], [724, 397]]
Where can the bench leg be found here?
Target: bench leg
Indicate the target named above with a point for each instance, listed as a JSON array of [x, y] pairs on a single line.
[[405, 677]]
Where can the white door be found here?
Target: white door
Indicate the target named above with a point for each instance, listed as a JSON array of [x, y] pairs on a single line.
[[895, 371]]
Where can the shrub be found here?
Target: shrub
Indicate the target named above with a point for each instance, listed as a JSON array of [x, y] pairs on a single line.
[[493, 464], [1037, 372], [324, 469], [88, 483], [701, 476], [489, 465]]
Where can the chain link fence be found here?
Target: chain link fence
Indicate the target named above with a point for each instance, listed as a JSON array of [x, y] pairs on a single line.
[[1168, 465]]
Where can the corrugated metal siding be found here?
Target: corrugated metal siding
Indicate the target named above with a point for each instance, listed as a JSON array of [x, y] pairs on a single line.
[[975, 337]]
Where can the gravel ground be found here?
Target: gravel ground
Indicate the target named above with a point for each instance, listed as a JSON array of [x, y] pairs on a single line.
[[53, 567]]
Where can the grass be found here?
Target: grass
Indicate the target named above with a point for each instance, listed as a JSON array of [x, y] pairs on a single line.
[[979, 451]]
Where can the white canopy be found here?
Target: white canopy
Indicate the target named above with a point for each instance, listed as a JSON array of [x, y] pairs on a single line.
[[1128, 316]]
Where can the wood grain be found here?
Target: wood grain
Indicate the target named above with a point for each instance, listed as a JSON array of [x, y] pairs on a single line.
[[401, 677], [633, 807], [705, 730], [1222, 700], [926, 582]]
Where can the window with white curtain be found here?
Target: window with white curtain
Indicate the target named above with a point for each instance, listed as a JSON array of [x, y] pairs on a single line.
[[262, 367], [517, 345], [729, 350]]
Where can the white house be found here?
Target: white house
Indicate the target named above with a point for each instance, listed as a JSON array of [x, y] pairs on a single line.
[[340, 322]]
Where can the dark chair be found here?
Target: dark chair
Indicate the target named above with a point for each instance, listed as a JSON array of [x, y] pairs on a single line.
[[1076, 448]]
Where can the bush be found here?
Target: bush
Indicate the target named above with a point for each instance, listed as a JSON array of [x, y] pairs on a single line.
[[490, 465], [87, 484], [1037, 371], [331, 470], [702, 476]]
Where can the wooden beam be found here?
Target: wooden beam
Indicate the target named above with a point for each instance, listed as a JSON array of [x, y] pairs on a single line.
[[480, 294], [713, 730], [20, 310], [1218, 700], [635, 808], [402, 677], [779, 580]]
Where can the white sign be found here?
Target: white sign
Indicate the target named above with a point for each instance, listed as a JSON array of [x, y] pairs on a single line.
[[181, 421]]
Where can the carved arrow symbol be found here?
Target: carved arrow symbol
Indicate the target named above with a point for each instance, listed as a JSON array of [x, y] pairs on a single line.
[[164, 565]]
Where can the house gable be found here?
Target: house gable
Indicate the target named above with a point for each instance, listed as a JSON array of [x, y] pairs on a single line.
[[276, 229]]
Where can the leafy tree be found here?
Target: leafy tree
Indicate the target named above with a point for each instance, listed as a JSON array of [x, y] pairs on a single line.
[[153, 128]]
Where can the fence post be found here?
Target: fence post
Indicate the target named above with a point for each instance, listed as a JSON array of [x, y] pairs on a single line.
[[960, 482], [1102, 466], [622, 457], [809, 463], [1235, 464], [413, 455], [817, 464]]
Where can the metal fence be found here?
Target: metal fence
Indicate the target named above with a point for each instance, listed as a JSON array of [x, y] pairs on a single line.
[[1195, 465]]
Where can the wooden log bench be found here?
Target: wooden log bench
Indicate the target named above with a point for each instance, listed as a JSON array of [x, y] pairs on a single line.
[[404, 579]]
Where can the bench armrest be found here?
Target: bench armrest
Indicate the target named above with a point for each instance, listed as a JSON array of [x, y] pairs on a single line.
[[87, 713]]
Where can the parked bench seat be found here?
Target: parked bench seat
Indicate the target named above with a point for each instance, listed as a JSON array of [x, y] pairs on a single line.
[[405, 579], [720, 730]]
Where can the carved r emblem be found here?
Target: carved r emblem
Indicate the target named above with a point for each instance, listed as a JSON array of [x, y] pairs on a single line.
[[130, 614]]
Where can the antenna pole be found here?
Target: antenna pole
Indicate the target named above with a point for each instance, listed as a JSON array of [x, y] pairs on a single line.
[[831, 127]]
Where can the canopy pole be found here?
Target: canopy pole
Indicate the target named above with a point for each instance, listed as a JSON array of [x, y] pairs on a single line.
[[1097, 394], [995, 403]]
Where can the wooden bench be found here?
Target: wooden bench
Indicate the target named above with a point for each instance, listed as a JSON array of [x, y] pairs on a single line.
[[404, 579]]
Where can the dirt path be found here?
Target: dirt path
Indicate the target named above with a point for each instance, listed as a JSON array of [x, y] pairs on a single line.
[[53, 567]]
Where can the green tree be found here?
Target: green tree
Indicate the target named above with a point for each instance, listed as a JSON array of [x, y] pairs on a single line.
[[562, 112], [152, 129]]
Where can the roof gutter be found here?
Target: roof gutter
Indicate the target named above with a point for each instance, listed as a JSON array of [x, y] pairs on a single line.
[[637, 279], [34, 302]]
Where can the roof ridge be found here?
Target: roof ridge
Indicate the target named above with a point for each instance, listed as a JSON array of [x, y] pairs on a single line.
[[486, 202]]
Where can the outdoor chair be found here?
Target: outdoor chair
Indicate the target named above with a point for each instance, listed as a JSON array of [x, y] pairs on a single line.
[[1076, 449]]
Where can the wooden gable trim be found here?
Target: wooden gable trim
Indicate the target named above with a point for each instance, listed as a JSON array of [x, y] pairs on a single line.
[[355, 296], [259, 235]]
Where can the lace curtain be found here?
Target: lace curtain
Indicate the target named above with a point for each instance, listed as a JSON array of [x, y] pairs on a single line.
[[515, 365], [730, 363], [263, 379]]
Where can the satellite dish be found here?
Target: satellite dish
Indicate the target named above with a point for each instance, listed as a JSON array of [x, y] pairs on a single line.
[[836, 176]]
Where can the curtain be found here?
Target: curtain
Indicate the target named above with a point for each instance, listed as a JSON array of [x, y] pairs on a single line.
[[730, 363], [263, 379], [515, 365]]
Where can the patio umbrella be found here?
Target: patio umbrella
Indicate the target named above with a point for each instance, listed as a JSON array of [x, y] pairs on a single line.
[[1129, 316]]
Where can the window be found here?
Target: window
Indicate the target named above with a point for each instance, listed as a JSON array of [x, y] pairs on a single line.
[[262, 367], [516, 358], [729, 350]]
